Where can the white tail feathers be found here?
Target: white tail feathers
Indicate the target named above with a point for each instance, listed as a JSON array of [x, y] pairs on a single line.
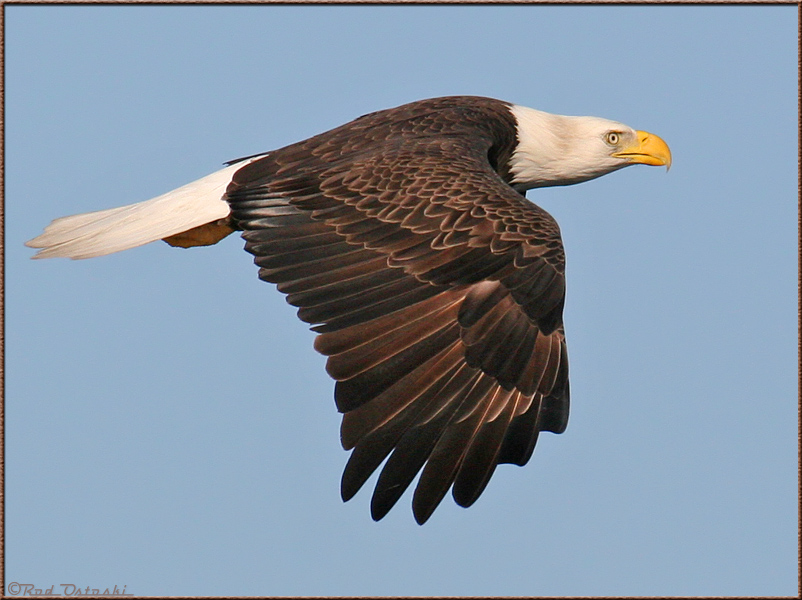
[[106, 231]]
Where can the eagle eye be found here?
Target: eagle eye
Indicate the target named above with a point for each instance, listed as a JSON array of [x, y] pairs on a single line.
[[612, 138]]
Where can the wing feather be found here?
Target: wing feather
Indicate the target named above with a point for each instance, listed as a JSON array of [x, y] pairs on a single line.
[[436, 291], [482, 456]]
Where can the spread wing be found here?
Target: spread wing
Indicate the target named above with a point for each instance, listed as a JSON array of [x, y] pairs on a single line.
[[437, 292]]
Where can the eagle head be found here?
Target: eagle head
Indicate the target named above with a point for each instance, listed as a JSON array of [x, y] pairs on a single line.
[[562, 150]]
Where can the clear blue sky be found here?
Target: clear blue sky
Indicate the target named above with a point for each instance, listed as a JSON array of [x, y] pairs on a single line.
[[171, 429]]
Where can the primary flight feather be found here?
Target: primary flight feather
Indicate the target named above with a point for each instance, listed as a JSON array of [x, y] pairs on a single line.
[[436, 288]]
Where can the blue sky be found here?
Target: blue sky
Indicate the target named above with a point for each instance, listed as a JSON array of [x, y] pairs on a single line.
[[169, 426]]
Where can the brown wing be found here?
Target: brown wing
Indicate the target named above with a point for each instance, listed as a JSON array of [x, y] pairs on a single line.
[[437, 291]]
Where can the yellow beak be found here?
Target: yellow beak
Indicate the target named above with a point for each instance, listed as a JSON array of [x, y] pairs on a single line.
[[648, 150]]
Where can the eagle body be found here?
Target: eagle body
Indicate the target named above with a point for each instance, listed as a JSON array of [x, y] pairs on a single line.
[[436, 288]]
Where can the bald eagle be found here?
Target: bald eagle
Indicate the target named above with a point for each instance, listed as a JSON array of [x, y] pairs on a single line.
[[436, 288]]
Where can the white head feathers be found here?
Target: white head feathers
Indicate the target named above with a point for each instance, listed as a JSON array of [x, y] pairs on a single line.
[[561, 150]]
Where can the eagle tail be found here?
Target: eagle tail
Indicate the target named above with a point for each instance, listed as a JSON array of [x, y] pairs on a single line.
[[194, 214]]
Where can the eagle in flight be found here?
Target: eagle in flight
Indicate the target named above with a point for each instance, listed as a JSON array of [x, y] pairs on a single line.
[[435, 287]]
